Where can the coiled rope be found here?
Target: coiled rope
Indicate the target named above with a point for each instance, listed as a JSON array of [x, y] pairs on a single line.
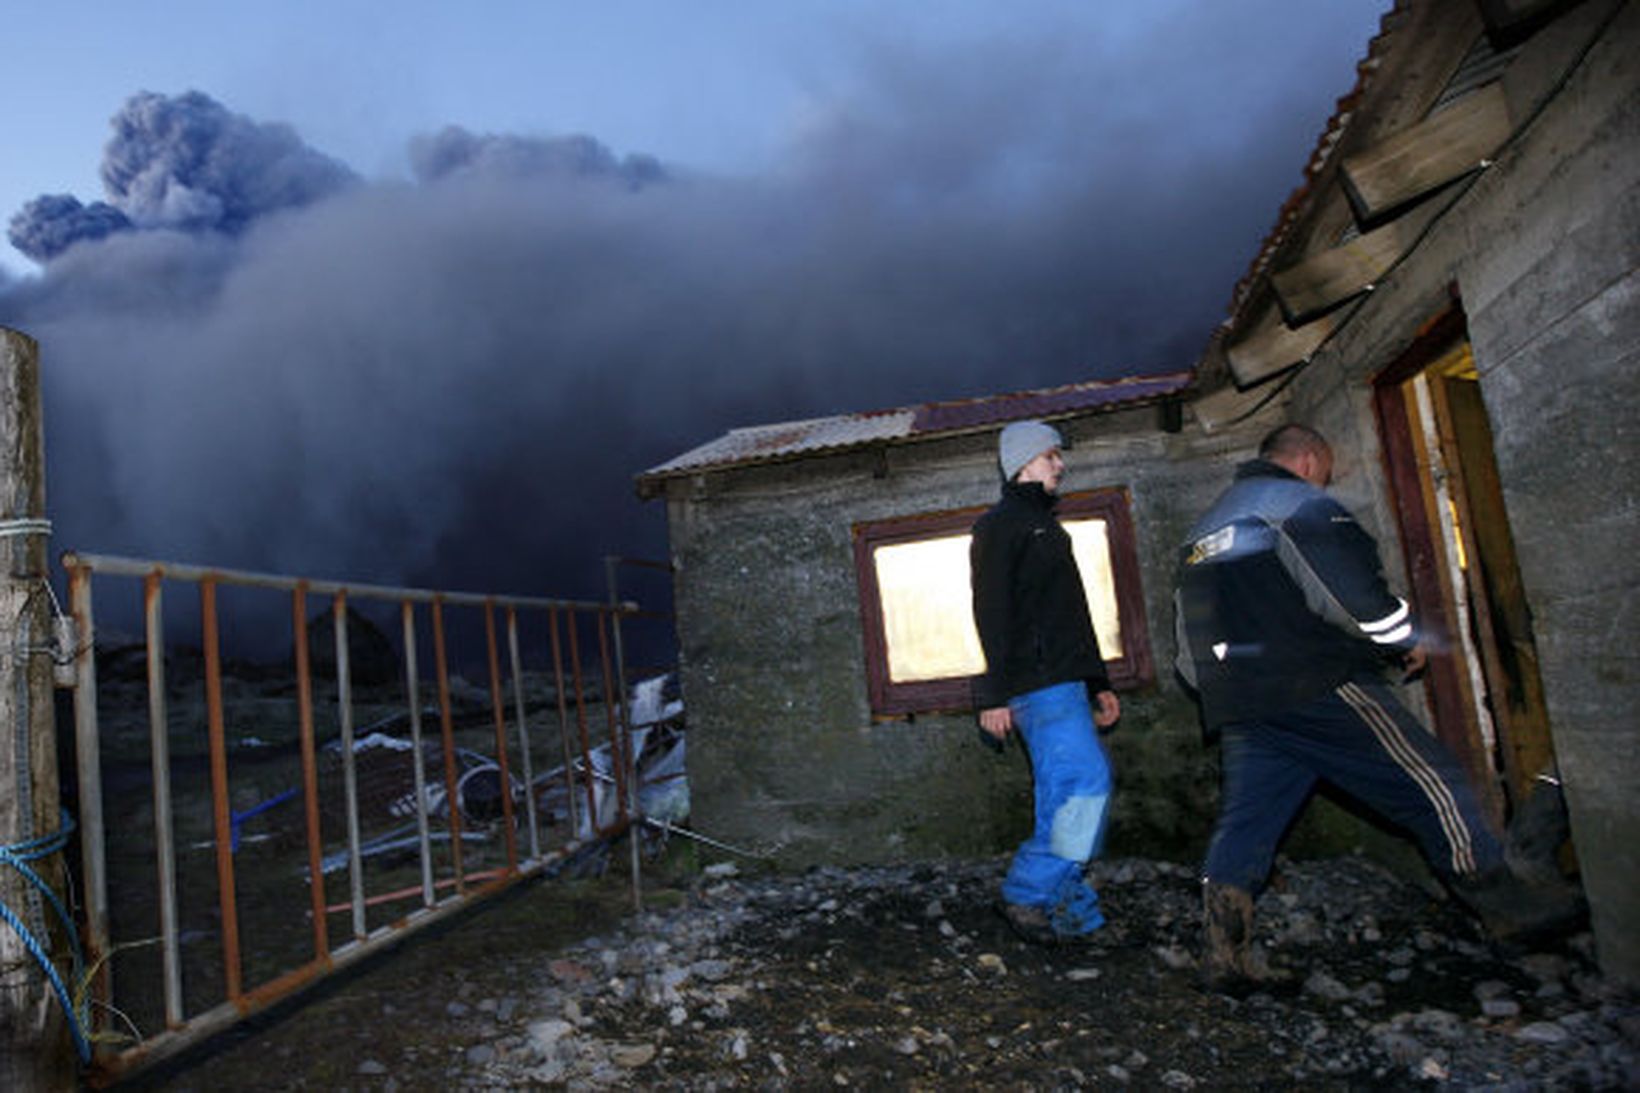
[[18, 856]]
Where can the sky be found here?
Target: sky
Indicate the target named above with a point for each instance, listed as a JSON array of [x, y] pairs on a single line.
[[410, 292]]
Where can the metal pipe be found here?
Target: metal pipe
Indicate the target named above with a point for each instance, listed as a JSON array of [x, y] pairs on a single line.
[[523, 733], [563, 725], [350, 772], [310, 773], [619, 744], [114, 565], [496, 705], [447, 726], [159, 758], [581, 722], [418, 762], [221, 806], [88, 759], [632, 802]]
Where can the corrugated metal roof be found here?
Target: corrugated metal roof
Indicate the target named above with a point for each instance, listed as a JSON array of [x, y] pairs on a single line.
[[793, 439], [761, 443], [1051, 402]]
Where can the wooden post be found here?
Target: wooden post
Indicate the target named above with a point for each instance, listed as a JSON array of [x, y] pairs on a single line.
[[35, 1053]]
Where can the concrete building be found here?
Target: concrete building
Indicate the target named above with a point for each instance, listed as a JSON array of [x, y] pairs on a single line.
[[1450, 296]]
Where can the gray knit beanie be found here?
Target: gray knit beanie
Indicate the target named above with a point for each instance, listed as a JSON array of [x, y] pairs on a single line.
[[1022, 442]]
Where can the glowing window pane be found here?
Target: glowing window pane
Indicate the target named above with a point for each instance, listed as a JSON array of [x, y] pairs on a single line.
[[1090, 542], [928, 617], [928, 621]]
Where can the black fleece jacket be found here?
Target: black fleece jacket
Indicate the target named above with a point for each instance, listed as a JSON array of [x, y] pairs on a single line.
[[1029, 605]]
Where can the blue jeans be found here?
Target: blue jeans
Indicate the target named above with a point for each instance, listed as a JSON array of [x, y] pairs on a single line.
[[1073, 784], [1362, 740]]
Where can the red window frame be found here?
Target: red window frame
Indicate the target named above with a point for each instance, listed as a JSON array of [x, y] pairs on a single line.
[[1133, 668]]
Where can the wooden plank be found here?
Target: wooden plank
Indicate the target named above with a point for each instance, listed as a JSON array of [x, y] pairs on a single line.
[[1271, 346], [1324, 280], [1430, 154], [1511, 659], [1228, 406]]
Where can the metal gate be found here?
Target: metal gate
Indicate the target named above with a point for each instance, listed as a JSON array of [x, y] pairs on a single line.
[[220, 867]]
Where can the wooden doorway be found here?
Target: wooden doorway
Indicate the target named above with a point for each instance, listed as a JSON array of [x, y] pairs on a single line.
[[1484, 686]]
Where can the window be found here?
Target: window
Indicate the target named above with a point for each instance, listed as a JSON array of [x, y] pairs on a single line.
[[916, 607]]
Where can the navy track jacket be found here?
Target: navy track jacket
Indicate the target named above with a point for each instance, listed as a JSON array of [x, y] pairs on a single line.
[[1281, 598]]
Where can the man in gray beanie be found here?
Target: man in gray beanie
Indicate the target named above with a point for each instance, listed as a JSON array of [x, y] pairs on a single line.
[[1044, 677]]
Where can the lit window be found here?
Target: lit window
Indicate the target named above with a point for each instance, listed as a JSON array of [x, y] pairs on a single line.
[[916, 604]]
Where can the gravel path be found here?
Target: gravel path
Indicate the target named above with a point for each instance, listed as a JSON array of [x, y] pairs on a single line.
[[904, 977]]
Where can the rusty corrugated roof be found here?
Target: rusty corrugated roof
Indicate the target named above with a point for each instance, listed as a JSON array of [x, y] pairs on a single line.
[[794, 439]]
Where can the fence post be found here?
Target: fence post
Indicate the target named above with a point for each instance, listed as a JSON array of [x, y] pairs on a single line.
[[34, 1046]]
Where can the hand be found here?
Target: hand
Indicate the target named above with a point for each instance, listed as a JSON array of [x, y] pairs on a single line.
[[1415, 661], [1107, 709], [997, 721]]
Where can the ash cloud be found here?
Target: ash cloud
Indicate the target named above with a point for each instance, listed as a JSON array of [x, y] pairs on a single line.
[[454, 151], [183, 162], [451, 380]]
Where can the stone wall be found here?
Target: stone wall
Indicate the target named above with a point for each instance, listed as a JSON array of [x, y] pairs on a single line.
[[1542, 250]]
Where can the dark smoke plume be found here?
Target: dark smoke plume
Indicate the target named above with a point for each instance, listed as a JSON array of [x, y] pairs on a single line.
[[453, 151], [451, 381], [183, 162], [51, 223]]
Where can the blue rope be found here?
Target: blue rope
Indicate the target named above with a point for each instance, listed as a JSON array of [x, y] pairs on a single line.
[[18, 856]]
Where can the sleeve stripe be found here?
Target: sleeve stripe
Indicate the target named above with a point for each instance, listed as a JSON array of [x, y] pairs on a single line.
[[1393, 619], [1395, 636]]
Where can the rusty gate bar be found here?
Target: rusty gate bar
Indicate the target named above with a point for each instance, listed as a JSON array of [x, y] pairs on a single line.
[[496, 708], [160, 761], [310, 773], [523, 732], [447, 730], [418, 760], [182, 1029], [223, 822]]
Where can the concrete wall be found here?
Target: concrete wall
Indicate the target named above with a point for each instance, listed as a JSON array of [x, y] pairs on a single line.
[[1543, 250], [784, 754]]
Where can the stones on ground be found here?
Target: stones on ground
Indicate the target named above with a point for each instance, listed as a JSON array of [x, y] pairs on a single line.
[[903, 977], [371, 1066], [1543, 1032], [632, 1056]]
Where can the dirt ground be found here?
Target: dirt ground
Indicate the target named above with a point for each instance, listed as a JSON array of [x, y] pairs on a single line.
[[905, 977]]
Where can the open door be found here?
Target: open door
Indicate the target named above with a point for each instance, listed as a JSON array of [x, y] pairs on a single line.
[[1485, 690]]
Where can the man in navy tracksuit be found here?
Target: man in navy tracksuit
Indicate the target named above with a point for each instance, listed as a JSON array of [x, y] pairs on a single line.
[[1286, 629], [1044, 676]]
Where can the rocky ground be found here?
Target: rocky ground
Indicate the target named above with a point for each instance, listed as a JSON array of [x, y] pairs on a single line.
[[905, 977]]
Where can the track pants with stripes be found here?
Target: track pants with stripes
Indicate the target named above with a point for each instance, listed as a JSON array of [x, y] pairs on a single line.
[[1360, 739]]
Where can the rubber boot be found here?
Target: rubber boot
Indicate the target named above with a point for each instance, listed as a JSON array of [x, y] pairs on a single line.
[[1231, 965], [1521, 912]]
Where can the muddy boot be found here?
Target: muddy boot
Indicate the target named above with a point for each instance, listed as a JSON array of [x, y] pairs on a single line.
[[1231, 965], [1521, 912]]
